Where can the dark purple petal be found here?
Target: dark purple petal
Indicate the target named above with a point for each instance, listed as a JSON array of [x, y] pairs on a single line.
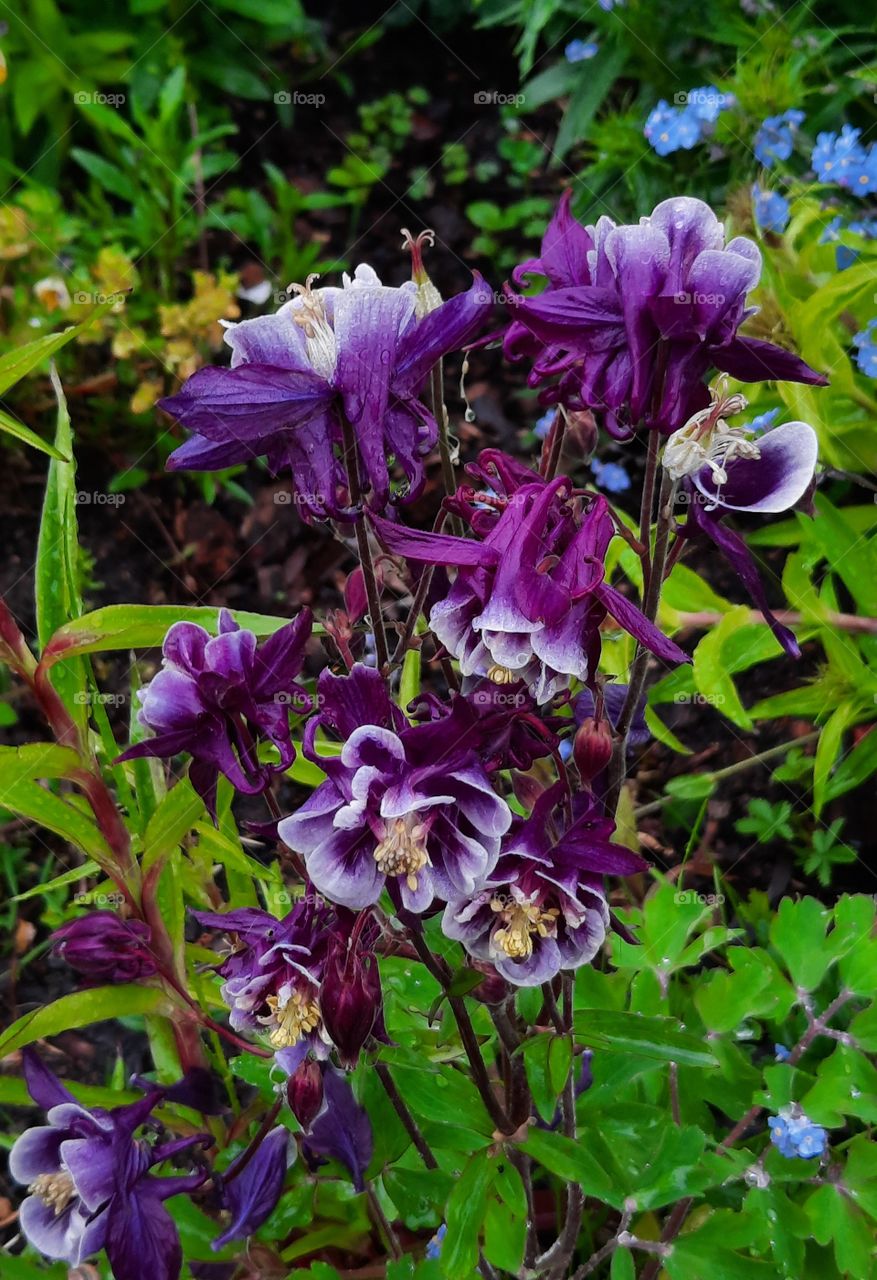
[[36, 1151], [247, 403], [635, 622], [447, 328], [71, 1234], [432, 548], [279, 660], [142, 1239], [43, 1086], [566, 244], [752, 360], [342, 1131], [251, 1196]]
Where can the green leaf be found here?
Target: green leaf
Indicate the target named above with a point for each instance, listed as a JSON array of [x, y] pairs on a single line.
[[17, 429], [16, 364], [57, 569], [177, 814], [827, 751], [798, 933], [445, 1097], [661, 1038], [710, 668], [571, 1161], [30, 800], [466, 1209], [586, 99], [80, 1009], [144, 626], [36, 760]]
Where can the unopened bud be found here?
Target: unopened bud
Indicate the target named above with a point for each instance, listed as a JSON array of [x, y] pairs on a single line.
[[304, 1092], [494, 989], [592, 748], [350, 998], [355, 597]]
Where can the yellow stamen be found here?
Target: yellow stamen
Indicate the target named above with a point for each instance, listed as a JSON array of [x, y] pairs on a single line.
[[296, 1018], [501, 675], [54, 1189], [521, 921], [402, 852]]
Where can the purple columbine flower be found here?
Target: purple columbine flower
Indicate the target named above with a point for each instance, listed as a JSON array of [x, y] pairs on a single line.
[[272, 976], [218, 697], [250, 1196], [103, 947], [726, 468], [351, 1000], [543, 908], [635, 317], [364, 351], [89, 1182], [530, 596], [404, 807], [342, 1131]]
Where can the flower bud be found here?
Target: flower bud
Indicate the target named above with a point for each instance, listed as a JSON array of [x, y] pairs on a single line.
[[592, 748], [105, 948], [494, 989], [304, 1092], [355, 597], [350, 997]]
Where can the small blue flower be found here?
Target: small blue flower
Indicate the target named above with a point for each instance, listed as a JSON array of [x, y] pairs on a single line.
[[866, 344], [543, 426], [581, 50], [763, 422], [771, 209], [781, 1053], [434, 1248], [861, 178], [837, 156], [795, 1136], [775, 138], [670, 129], [706, 103], [608, 5], [610, 476]]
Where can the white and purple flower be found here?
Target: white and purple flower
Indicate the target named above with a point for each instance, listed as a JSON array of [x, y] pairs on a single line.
[[363, 351], [543, 908], [404, 807]]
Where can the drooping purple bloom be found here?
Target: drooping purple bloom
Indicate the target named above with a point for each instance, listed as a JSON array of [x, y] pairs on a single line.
[[614, 698], [363, 351], [351, 1000], [500, 723], [726, 469], [530, 596], [272, 976], [543, 908], [342, 1131], [635, 317], [251, 1195], [406, 807], [89, 1182], [217, 697], [104, 948]]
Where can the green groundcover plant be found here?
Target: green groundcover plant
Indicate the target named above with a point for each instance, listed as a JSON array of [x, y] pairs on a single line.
[[368, 878]]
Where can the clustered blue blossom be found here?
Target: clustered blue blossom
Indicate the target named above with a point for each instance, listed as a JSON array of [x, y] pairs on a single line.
[[611, 476], [763, 422], [680, 128], [795, 1136], [775, 138], [866, 349], [841, 158], [844, 254], [771, 209], [581, 50], [434, 1248]]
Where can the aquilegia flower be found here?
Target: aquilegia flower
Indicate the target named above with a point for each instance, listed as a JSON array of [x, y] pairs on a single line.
[[218, 697], [104, 947], [775, 138], [543, 907], [771, 209], [726, 468], [362, 351], [635, 317], [529, 598], [409, 808], [89, 1182], [796, 1136], [271, 978]]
